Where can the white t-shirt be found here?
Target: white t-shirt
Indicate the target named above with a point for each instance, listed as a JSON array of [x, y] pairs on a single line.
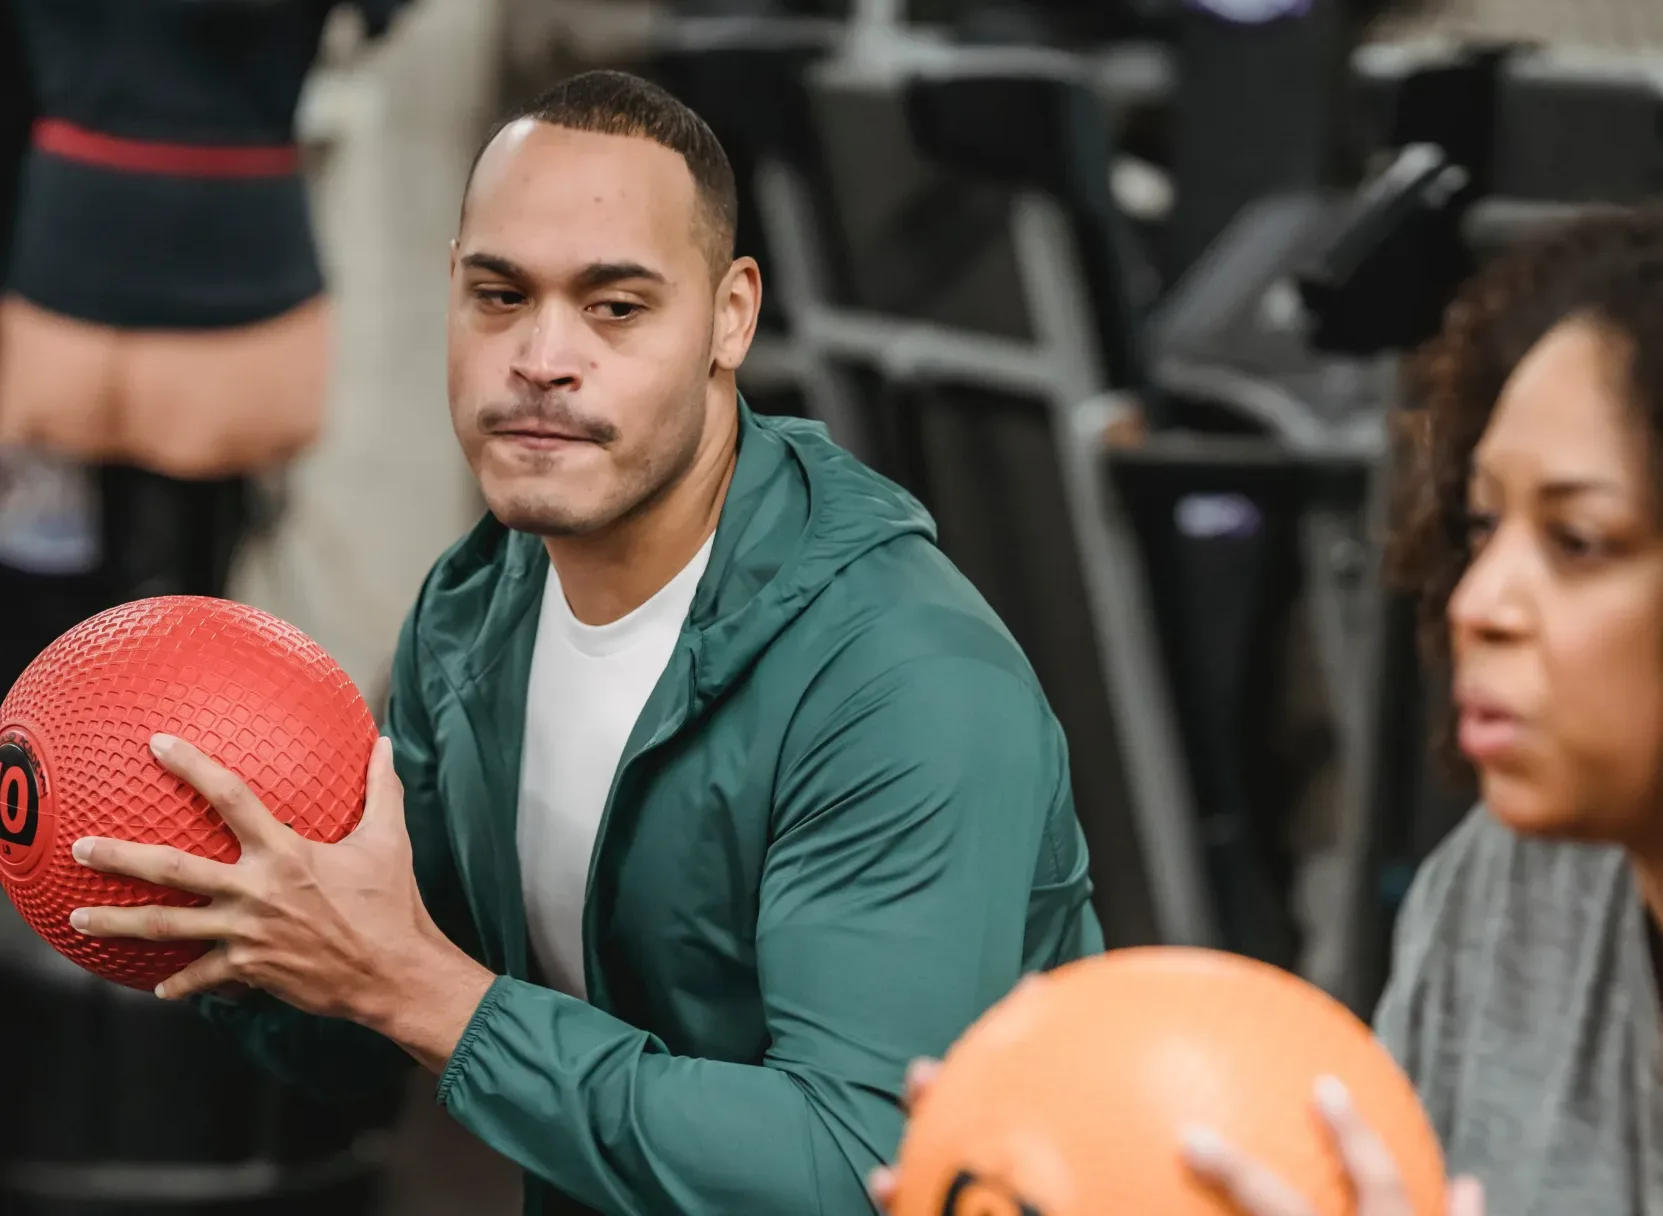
[[588, 686]]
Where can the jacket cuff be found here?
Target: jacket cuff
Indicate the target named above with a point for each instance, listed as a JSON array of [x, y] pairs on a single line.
[[459, 1058]]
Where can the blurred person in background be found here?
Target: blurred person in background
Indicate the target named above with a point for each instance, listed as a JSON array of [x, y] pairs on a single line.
[[723, 793], [1524, 999], [164, 322], [45, 512]]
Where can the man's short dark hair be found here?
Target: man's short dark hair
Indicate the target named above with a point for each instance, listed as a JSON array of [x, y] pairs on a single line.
[[617, 103]]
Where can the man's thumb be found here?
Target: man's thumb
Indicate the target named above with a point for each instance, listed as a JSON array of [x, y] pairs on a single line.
[[383, 792]]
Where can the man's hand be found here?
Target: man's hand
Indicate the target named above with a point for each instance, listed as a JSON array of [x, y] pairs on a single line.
[[333, 929], [1250, 1187]]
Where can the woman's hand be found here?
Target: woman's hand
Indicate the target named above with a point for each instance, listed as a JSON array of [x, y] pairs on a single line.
[[1253, 1189], [921, 1075], [1256, 1191]]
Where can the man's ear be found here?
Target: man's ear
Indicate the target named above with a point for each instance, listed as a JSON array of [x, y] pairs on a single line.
[[738, 305]]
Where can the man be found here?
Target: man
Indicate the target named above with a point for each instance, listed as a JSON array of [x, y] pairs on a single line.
[[723, 794]]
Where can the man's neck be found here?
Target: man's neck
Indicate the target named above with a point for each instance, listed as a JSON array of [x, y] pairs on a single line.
[[607, 576]]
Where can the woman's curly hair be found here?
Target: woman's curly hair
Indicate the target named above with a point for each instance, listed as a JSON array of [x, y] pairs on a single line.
[[1606, 268]]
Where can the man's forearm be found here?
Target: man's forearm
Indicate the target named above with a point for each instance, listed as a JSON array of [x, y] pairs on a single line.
[[427, 1001], [604, 1114]]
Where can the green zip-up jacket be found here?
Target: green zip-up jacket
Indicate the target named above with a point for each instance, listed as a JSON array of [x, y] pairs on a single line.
[[841, 830]]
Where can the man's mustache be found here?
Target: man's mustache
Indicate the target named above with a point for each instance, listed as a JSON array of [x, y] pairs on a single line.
[[545, 415]]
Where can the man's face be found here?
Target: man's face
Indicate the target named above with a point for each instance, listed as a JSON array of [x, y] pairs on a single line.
[[584, 326]]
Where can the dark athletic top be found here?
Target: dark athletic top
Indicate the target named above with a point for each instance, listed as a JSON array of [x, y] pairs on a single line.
[[163, 188], [17, 109]]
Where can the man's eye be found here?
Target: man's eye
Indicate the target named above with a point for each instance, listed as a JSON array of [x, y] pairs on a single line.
[[617, 310], [500, 297]]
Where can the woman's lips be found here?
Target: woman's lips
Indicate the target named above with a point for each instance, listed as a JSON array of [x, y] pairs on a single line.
[[1487, 733]]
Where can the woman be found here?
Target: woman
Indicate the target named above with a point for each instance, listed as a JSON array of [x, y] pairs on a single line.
[[163, 313], [1524, 1000]]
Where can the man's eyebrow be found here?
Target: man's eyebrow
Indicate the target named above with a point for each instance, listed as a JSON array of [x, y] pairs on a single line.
[[606, 274], [495, 264], [590, 278]]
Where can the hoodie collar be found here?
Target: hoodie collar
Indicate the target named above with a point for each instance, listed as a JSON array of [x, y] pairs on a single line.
[[798, 511]]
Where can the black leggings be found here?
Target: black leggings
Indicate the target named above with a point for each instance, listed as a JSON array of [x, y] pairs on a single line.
[[160, 536], [164, 536]]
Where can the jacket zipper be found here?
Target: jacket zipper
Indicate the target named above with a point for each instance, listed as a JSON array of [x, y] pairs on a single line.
[[593, 979]]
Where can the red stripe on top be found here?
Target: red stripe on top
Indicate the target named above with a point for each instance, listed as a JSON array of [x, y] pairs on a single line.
[[72, 142]]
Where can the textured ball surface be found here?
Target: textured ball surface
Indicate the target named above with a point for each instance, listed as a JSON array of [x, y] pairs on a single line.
[[1070, 1097], [253, 693]]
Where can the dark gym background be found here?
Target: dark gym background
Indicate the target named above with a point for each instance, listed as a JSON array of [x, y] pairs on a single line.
[[1118, 288]]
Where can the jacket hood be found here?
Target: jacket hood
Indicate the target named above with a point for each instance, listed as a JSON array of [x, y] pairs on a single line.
[[799, 511]]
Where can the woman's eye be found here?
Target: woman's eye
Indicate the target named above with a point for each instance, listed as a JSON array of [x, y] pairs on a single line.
[[1577, 544], [1481, 525]]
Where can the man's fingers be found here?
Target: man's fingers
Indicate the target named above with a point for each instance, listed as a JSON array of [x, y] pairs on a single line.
[[1375, 1175], [1252, 1188], [242, 811], [211, 971], [154, 923], [157, 863], [921, 1074]]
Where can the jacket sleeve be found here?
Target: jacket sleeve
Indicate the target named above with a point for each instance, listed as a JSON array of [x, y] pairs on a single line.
[[325, 1056], [909, 823]]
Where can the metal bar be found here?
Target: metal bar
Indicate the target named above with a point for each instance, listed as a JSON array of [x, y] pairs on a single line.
[[919, 348], [1355, 847], [785, 209], [179, 1183], [1128, 646]]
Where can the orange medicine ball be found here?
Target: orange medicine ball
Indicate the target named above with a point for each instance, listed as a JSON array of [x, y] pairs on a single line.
[[1070, 1097]]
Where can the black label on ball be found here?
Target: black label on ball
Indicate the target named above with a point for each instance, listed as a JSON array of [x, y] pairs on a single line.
[[19, 797], [973, 1196]]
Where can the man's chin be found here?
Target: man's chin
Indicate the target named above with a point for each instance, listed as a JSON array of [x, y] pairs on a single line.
[[545, 519], [545, 504]]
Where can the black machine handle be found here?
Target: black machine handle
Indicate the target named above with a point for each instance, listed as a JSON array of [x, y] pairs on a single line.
[[1384, 280]]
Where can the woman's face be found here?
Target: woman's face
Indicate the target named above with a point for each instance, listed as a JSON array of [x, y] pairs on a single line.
[[1557, 626]]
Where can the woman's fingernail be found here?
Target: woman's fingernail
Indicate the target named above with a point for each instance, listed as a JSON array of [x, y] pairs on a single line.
[[1332, 1097], [1203, 1148], [81, 850], [880, 1182], [161, 745], [79, 919], [1466, 1197]]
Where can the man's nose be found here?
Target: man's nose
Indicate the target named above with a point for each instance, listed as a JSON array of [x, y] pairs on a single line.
[[547, 356]]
